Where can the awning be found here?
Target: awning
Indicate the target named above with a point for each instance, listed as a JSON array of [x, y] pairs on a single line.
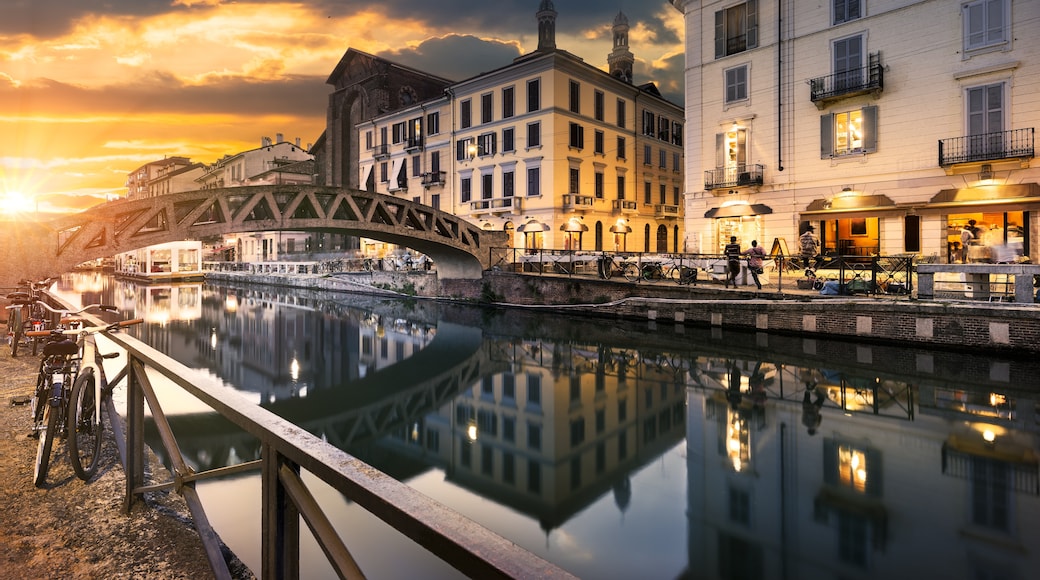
[[845, 206], [395, 171], [738, 210], [615, 229], [532, 227], [1026, 194], [573, 226]]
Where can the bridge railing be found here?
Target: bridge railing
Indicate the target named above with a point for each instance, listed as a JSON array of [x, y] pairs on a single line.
[[850, 274], [287, 451]]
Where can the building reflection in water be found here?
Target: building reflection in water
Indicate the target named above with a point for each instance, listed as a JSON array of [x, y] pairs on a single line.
[[804, 458]]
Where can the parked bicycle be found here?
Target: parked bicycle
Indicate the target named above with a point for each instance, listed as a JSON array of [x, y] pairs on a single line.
[[24, 314], [59, 408], [609, 266], [682, 275]]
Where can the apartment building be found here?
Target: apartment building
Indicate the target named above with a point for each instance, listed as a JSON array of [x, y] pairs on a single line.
[[159, 175], [272, 159], [557, 152], [887, 125]]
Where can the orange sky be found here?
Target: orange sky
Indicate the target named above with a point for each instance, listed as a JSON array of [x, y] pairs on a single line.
[[91, 90]]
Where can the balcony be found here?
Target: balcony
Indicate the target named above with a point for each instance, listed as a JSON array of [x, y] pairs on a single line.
[[413, 144], [664, 211], [433, 178], [576, 202], [381, 151], [479, 206], [736, 176], [860, 81], [624, 207], [1013, 144], [506, 205]]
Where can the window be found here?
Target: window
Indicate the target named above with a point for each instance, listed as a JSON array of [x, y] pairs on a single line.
[[574, 179], [384, 176], [985, 109], [398, 132], [508, 183], [466, 190], [648, 158], [415, 166], [487, 186], [621, 187], [534, 101], [508, 140], [534, 390], [433, 123], [621, 148], [647, 199], [465, 149], [598, 105], [599, 185], [577, 136], [848, 132], [382, 136], [577, 431], [677, 134], [736, 84], [487, 144], [662, 159], [736, 29], [485, 108], [435, 201], [848, 63], [465, 113], [675, 162], [731, 149], [534, 436], [846, 10], [648, 123], [621, 113], [575, 94], [986, 24], [598, 142], [534, 134], [534, 181], [435, 161], [368, 140], [675, 196], [662, 193], [663, 128], [508, 102]]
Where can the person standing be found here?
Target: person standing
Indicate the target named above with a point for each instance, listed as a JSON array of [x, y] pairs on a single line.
[[967, 235], [810, 247], [732, 253], [755, 255]]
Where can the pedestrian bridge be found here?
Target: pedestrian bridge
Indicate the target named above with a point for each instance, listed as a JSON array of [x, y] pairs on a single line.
[[38, 250]]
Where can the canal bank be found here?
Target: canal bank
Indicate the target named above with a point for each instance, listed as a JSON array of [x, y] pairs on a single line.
[[1011, 328]]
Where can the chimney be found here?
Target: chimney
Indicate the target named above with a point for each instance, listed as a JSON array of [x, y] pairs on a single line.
[[265, 141], [297, 141], [278, 138]]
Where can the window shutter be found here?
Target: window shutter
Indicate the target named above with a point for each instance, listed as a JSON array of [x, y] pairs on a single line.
[[827, 136], [870, 129], [720, 150], [875, 475], [752, 23], [720, 34]]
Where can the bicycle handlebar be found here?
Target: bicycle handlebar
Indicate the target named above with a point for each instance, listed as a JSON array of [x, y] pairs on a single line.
[[85, 330], [101, 307]]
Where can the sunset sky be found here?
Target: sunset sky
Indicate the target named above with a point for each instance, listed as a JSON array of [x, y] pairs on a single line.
[[93, 89]]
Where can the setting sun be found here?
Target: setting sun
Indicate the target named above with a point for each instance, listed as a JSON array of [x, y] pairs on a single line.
[[15, 202]]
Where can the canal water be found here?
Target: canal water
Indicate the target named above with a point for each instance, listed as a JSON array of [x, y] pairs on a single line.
[[616, 449]]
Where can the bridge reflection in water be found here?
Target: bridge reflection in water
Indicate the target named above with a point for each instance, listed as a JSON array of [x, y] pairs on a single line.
[[621, 450]]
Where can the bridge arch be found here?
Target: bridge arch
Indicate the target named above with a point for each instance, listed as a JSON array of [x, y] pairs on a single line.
[[460, 249]]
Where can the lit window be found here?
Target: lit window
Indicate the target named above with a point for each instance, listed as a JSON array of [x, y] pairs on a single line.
[[849, 132], [852, 468]]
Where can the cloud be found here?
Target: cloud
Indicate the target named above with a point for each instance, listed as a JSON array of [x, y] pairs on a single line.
[[456, 57]]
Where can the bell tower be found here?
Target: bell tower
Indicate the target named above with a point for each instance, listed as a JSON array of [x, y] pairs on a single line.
[[546, 26], [621, 60]]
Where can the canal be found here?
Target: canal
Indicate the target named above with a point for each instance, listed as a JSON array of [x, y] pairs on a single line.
[[616, 449]]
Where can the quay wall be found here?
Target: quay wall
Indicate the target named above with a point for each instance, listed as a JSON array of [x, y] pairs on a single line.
[[949, 324]]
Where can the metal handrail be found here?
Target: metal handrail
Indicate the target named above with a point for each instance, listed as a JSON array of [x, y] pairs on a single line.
[[286, 450]]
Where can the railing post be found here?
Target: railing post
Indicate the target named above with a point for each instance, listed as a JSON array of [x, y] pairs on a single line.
[[280, 520], [134, 435]]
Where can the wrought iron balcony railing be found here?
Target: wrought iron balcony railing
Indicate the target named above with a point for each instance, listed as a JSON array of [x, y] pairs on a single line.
[[1013, 144], [737, 176], [433, 178], [413, 144], [381, 151], [868, 79]]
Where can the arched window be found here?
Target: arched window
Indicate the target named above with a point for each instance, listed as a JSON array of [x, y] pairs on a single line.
[[662, 238]]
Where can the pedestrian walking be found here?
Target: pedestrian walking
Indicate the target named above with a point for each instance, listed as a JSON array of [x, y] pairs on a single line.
[[810, 247], [732, 253], [755, 255]]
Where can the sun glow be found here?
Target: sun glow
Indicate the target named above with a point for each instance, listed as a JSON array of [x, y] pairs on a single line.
[[12, 202]]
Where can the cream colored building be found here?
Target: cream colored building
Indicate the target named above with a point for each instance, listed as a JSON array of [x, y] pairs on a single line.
[[556, 151], [885, 124]]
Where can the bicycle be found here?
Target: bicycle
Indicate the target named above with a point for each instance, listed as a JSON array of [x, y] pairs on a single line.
[[59, 408], [607, 267], [682, 275], [25, 314]]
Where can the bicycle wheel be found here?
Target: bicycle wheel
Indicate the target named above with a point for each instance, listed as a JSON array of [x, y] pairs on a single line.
[[630, 271], [43, 449], [86, 426], [675, 274], [14, 322]]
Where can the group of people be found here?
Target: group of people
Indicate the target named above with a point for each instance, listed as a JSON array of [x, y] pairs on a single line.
[[755, 255]]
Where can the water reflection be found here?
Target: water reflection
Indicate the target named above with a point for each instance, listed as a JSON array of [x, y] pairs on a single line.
[[622, 450]]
